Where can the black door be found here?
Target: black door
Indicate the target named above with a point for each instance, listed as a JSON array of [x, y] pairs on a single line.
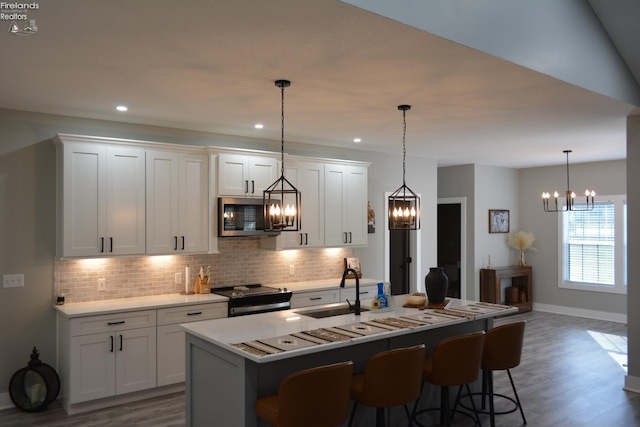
[[449, 244], [400, 261]]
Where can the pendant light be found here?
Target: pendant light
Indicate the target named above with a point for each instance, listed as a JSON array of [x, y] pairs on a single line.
[[570, 197], [404, 204], [281, 200]]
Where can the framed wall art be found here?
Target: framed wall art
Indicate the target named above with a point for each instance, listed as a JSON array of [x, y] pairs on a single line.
[[498, 221]]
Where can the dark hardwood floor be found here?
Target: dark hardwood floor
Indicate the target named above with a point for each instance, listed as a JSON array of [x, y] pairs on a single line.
[[569, 376]]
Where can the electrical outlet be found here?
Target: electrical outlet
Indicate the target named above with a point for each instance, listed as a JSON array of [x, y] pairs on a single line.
[[102, 284], [13, 281], [178, 279], [292, 270]]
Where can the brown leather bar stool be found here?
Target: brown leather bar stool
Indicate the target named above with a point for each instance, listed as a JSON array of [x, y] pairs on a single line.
[[316, 397], [391, 378], [455, 362], [502, 352]]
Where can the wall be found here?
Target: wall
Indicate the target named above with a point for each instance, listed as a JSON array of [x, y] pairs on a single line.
[[27, 229], [485, 187], [606, 178]]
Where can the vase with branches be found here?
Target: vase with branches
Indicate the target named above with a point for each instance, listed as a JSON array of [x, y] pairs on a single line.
[[521, 241]]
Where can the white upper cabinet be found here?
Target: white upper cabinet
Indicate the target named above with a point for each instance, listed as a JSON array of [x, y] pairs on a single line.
[[244, 175], [345, 205], [177, 202], [102, 199], [308, 177]]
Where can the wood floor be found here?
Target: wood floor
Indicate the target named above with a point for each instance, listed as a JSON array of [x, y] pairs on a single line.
[[568, 377]]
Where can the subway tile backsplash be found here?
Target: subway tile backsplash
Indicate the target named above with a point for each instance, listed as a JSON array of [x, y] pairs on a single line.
[[240, 261]]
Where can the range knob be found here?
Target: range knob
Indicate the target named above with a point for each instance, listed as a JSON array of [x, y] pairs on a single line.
[[285, 290]]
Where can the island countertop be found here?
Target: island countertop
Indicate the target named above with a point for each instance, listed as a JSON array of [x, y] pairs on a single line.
[[228, 333]]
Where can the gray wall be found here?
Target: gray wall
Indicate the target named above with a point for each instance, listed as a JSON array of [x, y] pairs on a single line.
[[633, 251], [606, 178]]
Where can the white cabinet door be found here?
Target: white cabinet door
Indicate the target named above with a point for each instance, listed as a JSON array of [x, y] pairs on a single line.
[[135, 359], [345, 205], [244, 175], [177, 203], [171, 353], [92, 367], [366, 292], [356, 201], [194, 203], [103, 200], [263, 171]]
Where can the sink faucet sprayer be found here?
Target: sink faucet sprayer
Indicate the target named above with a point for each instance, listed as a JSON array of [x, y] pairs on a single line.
[[356, 305]]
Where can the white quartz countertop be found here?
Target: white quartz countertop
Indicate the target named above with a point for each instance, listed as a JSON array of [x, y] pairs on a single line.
[[235, 330], [108, 306], [93, 308]]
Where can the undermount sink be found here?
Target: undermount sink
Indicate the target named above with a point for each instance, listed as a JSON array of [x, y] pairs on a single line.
[[329, 312]]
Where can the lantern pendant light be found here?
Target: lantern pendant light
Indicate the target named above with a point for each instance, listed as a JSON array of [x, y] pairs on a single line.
[[404, 204], [281, 200], [570, 197]]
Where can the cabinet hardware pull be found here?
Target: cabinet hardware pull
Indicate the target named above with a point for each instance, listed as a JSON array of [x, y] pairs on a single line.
[[120, 342], [183, 243], [253, 186], [121, 322], [364, 293], [110, 244], [344, 237], [101, 244], [175, 243], [246, 186], [196, 313], [300, 239], [350, 237], [306, 238], [111, 339], [315, 298]]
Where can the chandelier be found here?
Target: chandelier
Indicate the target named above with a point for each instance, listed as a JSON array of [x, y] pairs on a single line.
[[570, 197], [404, 204], [281, 200]]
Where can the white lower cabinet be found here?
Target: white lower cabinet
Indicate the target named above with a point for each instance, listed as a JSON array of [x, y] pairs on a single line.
[[311, 298], [114, 361], [102, 358], [171, 337], [366, 292]]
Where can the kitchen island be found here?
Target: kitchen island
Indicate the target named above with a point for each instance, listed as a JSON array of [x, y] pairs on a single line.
[[231, 362]]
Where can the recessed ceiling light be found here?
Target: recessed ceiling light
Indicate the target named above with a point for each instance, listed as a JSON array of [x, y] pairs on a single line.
[[122, 108], [258, 126], [357, 140]]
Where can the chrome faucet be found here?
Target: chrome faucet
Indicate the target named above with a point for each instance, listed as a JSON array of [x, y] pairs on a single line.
[[356, 305]]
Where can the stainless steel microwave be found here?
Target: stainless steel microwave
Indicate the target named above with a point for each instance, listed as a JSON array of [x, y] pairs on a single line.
[[241, 217]]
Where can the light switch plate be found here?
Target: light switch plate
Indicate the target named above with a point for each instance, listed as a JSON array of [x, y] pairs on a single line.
[[13, 281]]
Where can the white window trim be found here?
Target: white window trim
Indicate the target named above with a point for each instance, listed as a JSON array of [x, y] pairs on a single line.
[[619, 287]]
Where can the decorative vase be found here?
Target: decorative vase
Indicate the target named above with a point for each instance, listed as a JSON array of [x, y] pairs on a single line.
[[436, 284], [521, 263]]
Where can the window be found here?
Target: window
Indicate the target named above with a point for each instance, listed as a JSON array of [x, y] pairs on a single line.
[[593, 248]]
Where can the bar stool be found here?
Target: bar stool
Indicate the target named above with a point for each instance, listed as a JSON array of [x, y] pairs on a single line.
[[455, 362], [502, 351], [391, 378], [316, 397]]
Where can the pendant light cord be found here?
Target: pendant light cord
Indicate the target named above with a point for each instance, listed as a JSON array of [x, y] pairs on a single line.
[[404, 148], [282, 131]]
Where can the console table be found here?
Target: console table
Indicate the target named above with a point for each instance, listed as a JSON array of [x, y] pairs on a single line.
[[491, 288]]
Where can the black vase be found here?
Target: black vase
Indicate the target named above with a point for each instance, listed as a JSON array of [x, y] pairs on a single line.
[[436, 284]]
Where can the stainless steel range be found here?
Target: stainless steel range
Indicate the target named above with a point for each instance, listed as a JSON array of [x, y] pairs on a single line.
[[252, 299]]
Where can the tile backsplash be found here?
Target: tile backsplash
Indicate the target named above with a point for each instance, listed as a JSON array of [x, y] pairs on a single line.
[[240, 261]]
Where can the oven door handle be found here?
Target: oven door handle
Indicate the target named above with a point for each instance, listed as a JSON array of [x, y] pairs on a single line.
[[260, 308]]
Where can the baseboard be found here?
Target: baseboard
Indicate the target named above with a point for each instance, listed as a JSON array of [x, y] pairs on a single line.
[[5, 401], [580, 312], [632, 384]]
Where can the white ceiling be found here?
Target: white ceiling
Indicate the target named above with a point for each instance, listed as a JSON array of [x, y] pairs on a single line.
[[209, 65]]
